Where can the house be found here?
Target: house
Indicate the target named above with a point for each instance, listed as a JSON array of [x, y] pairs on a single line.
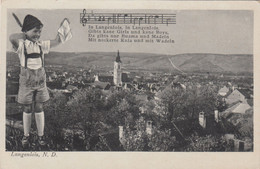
[[128, 87], [223, 91], [103, 78], [101, 85], [242, 145], [234, 113], [125, 77], [238, 107], [204, 125], [238, 95]]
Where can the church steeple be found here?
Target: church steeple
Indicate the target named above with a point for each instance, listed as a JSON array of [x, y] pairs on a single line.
[[118, 57], [117, 71]]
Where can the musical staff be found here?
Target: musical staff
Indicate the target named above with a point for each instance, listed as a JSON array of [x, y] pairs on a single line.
[[126, 18]]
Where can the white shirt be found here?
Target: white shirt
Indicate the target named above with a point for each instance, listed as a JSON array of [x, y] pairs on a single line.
[[31, 47]]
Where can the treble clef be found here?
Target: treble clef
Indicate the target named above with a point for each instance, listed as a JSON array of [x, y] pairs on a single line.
[[83, 18]]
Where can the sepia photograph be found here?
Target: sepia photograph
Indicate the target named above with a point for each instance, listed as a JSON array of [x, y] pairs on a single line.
[[121, 81], [113, 81]]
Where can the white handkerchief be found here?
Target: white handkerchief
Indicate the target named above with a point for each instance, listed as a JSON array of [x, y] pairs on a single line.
[[65, 31]]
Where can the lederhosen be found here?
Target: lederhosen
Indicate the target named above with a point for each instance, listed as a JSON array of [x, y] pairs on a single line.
[[34, 78]]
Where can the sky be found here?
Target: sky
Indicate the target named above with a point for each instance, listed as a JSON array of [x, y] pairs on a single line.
[[195, 31]]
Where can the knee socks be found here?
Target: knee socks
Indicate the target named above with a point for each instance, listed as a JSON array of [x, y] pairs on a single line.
[[27, 121], [39, 118]]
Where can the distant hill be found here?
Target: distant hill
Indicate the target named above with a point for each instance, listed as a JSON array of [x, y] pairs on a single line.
[[191, 62]]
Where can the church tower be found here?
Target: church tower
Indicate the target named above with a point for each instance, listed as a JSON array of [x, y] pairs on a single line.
[[117, 71]]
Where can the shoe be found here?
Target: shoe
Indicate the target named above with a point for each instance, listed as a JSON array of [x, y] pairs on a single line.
[[41, 140], [25, 141]]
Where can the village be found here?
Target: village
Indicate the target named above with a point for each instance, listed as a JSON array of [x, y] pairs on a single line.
[[151, 110]]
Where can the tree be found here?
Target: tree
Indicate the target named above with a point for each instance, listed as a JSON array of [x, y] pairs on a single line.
[[171, 101], [221, 104], [180, 104], [56, 112], [122, 109], [139, 140], [161, 140], [208, 98], [134, 140], [192, 102], [86, 106], [151, 111], [208, 143]]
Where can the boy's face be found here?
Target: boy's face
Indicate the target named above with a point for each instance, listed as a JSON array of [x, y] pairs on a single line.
[[34, 34]]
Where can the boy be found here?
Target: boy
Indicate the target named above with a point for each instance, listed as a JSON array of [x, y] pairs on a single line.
[[32, 82]]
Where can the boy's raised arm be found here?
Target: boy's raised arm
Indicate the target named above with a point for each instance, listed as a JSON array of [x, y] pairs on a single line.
[[64, 33], [14, 39], [55, 42]]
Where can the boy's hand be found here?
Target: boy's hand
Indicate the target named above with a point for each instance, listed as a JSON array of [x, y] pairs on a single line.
[[65, 31], [58, 38]]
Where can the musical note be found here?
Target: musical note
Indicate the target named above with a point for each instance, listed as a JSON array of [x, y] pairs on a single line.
[[151, 16], [114, 18], [140, 19], [155, 17], [162, 18], [108, 19], [125, 15], [118, 18], [135, 19], [101, 18], [167, 20]]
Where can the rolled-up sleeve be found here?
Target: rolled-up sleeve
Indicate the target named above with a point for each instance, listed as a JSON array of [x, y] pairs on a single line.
[[45, 46], [19, 49]]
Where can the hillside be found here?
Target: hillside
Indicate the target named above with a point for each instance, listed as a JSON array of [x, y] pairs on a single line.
[[186, 62]]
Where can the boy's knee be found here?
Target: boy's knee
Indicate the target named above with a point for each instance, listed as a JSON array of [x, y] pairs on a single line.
[[38, 107], [27, 108]]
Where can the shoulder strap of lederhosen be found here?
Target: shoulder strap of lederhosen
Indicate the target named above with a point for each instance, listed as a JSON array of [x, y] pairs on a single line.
[[41, 55], [26, 55]]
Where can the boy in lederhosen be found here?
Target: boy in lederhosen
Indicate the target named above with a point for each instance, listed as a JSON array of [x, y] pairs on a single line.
[[32, 82]]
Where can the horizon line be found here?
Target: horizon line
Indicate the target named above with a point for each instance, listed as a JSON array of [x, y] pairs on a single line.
[[145, 53]]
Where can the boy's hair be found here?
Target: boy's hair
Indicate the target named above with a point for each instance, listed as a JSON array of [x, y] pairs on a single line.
[[31, 22]]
